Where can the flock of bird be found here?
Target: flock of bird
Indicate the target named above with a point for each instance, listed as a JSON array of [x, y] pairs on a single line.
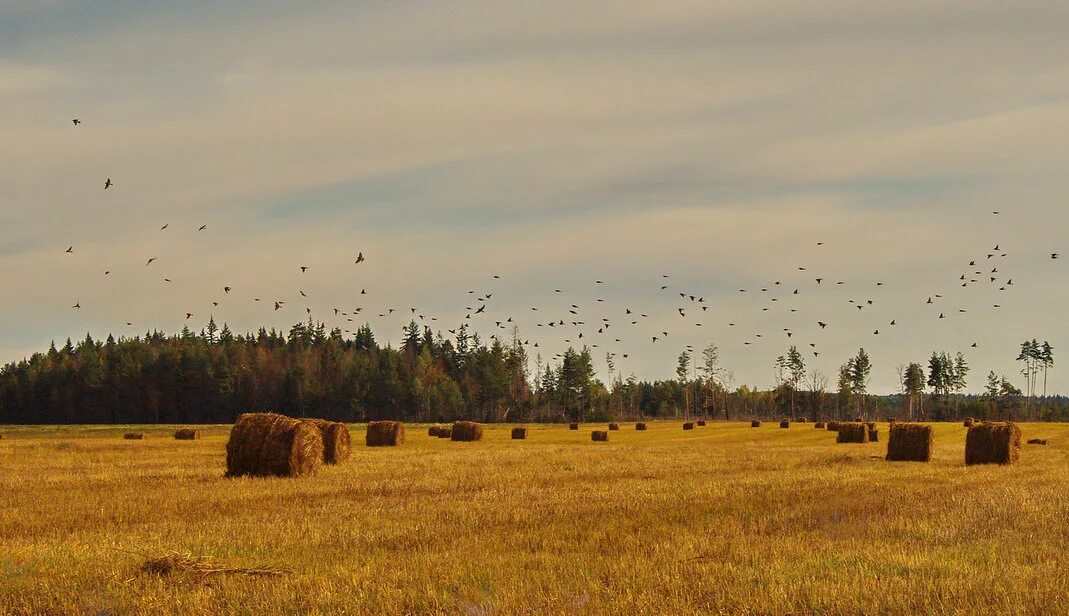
[[604, 324]]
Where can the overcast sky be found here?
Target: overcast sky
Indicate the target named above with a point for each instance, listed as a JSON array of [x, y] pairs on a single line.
[[553, 144]]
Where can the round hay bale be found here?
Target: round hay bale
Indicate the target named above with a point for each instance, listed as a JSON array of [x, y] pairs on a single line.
[[134, 436], [701, 423], [614, 426], [187, 434], [599, 435], [385, 434], [992, 443], [640, 425], [337, 442], [871, 425], [573, 426], [268, 444], [819, 425], [519, 434], [432, 431], [755, 423], [874, 435], [802, 420], [688, 425], [445, 432], [852, 432], [467, 431], [785, 424], [833, 426], [909, 442]]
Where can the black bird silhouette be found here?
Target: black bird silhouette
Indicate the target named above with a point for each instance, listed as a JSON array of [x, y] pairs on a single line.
[[70, 249], [226, 290], [189, 315], [1054, 255], [304, 268], [974, 345], [202, 227], [77, 305], [76, 121], [150, 260], [822, 324], [107, 184], [164, 227], [359, 257]]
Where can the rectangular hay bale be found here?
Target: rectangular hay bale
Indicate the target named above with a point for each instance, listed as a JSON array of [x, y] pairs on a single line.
[[852, 432], [909, 442], [384, 434], [993, 443]]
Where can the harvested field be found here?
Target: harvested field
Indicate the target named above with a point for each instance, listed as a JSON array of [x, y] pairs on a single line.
[[800, 524]]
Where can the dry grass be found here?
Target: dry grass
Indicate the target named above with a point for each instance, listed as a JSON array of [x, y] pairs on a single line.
[[726, 520]]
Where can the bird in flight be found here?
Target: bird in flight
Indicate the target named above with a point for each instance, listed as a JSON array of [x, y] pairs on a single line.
[[77, 305], [304, 268], [76, 121], [108, 184], [1054, 255], [70, 250], [164, 227], [202, 227], [150, 261], [359, 257], [226, 290]]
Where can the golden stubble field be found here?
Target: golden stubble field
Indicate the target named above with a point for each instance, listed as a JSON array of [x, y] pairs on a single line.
[[722, 519]]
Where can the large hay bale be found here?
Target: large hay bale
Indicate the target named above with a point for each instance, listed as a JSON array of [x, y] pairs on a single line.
[[819, 425], [688, 425], [785, 423], [467, 431], [833, 426], [909, 442], [573, 426], [701, 423], [874, 435], [385, 434], [518, 434], [134, 436], [1037, 441], [614, 426], [992, 443], [268, 444], [187, 434], [337, 442], [755, 423], [852, 432], [599, 435], [640, 425]]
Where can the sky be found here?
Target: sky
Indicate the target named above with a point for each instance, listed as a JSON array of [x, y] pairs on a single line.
[[553, 144]]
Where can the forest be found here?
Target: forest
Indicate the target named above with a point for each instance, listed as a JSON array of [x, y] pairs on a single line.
[[214, 375]]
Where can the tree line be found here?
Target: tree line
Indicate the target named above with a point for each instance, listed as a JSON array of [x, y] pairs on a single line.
[[214, 375]]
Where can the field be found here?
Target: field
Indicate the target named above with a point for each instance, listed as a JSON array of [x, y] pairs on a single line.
[[721, 519]]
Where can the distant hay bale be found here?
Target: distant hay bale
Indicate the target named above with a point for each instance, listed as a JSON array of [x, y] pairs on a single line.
[[755, 423], [909, 442], [874, 435], [519, 434], [614, 426], [1037, 441], [187, 434], [134, 436], [432, 431], [445, 432], [688, 425], [819, 425], [337, 442], [599, 435], [871, 425], [385, 434], [467, 431], [785, 423], [859, 420], [833, 426], [992, 443], [573, 426], [801, 420], [852, 432], [268, 444], [640, 425], [969, 422]]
